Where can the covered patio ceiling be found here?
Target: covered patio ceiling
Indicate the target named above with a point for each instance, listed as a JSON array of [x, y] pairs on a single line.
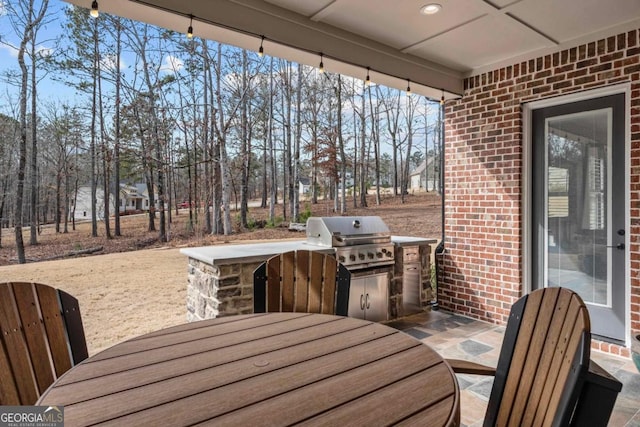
[[392, 37]]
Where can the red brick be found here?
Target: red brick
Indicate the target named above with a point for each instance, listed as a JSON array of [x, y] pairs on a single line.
[[484, 176], [632, 38]]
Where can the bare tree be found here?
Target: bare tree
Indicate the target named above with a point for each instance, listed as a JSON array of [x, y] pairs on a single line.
[[141, 38], [375, 136], [25, 19], [9, 137], [409, 113]]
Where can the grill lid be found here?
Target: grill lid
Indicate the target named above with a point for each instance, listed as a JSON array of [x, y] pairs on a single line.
[[347, 231]]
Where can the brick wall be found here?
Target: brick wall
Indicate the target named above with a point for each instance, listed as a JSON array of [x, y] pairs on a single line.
[[484, 159]]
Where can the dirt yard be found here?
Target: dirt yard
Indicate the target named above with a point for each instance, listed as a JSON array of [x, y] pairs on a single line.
[[125, 291]]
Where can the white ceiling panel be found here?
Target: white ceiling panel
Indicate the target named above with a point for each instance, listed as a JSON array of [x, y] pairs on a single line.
[[306, 8], [568, 20], [370, 18], [484, 41]]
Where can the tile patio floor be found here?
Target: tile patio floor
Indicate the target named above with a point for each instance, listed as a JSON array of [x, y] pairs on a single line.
[[459, 337]]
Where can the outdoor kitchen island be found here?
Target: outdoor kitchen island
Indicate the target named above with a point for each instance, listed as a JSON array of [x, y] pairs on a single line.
[[220, 277]]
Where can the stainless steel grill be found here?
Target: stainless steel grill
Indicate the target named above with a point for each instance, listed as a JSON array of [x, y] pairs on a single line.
[[359, 242]]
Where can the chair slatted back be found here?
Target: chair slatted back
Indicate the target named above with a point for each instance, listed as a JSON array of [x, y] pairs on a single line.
[[543, 360], [42, 338], [302, 281]]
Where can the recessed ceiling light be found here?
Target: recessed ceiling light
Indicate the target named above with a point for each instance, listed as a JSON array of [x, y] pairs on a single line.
[[430, 9]]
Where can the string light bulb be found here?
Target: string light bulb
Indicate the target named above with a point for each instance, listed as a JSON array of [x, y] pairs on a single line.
[[94, 9], [367, 81], [408, 87], [321, 68], [190, 29], [442, 98], [261, 50]]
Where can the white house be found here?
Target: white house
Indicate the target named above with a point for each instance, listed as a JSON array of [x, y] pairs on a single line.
[[132, 198], [304, 186], [423, 176], [83, 203]]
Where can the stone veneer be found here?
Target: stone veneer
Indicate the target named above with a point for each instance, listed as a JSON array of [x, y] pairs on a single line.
[[224, 290], [219, 290]]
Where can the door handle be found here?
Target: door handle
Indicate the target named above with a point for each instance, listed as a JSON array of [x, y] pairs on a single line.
[[361, 302], [619, 246], [367, 302]]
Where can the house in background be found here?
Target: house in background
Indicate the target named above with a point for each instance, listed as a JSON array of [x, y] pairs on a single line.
[[83, 204], [426, 176], [132, 198], [348, 181], [304, 186]]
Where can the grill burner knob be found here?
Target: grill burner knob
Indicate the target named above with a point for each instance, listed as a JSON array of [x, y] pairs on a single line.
[[341, 258], [371, 255], [361, 256], [379, 254], [352, 257], [389, 254]]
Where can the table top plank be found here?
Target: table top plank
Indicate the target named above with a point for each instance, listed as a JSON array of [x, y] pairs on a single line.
[[439, 414], [365, 380], [225, 330], [221, 363], [139, 354], [275, 368], [368, 411]]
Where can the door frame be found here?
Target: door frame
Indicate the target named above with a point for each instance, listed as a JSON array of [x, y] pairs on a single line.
[[527, 183]]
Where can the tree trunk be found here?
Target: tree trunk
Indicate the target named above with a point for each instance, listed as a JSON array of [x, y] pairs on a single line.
[[116, 143], [33, 234], [22, 156], [94, 101], [245, 146], [375, 135], [104, 149], [343, 157], [295, 216], [272, 163]]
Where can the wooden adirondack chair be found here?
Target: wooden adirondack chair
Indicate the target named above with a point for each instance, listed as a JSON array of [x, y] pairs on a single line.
[[544, 374], [41, 338], [301, 281]]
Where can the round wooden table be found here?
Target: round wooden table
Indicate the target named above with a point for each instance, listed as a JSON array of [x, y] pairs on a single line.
[[262, 369]]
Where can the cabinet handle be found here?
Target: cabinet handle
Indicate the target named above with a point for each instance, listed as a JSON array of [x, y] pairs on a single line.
[[367, 300], [361, 302]]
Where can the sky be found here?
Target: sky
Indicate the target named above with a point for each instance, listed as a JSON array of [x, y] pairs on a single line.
[[9, 42], [48, 88]]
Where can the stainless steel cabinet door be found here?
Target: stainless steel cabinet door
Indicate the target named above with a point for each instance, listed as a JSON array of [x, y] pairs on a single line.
[[356, 297], [376, 298], [369, 297]]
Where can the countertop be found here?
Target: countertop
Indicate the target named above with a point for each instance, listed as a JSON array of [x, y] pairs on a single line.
[[256, 252]]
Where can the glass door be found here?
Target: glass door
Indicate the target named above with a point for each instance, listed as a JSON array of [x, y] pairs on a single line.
[[579, 214]]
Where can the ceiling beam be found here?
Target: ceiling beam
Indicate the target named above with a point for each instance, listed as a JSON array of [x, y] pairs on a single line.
[[291, 36]]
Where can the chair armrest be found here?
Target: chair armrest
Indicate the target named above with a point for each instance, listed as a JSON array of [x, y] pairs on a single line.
[[460, 366], [597, 397], [599, 376]]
